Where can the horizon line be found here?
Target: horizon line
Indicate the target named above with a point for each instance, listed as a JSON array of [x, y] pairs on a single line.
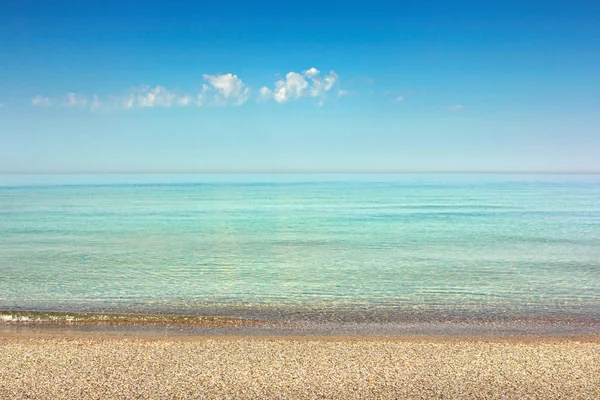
[[296, 172]]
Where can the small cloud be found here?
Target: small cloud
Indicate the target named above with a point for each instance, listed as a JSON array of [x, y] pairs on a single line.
[[95, 104], [223, 89], [218, 90], [309, 83], [203, 96], [293, 87], [158, 96], [397, 96], [229, 89], [1, 104], [185, 100], [75, 100], [146, 96], [330, 80], [312, 72], [265, 93], [129, 102], [41, 101], [455, 107]]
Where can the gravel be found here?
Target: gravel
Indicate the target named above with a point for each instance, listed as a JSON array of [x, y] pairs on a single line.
[[297, 368]]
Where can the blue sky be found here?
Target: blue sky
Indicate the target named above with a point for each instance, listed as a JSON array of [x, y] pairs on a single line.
[[432, 86]]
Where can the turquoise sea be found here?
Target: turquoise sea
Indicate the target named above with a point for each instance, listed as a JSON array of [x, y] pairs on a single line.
[[302, 247]]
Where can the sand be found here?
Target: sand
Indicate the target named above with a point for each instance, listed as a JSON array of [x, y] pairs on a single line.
[[130, 367]]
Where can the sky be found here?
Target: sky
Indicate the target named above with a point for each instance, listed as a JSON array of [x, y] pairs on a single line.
[[198, 87]]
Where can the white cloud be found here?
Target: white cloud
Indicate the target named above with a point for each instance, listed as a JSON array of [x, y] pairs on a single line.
[[145, 96], [311, 72], [265, 93], [229, 89], [320, 86], [158, 96], [75, 100], [185, 100], [330, 80], [307, 84], [129, 102], [218, 90], [203, 96], [41, 101], [95, 104], [398, 96], [455, 107], [224, 89], [293, 87], [1, 104]]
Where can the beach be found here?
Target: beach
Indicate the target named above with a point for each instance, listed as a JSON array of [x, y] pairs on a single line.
[[46, 365]]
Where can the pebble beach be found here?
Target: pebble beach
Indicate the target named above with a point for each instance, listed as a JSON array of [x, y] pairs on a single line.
[[81, 366]]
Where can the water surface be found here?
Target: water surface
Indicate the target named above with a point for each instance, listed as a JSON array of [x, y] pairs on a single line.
[[352, 248]]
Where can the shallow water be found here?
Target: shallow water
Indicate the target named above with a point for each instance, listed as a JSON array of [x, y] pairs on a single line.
[[328, 248]]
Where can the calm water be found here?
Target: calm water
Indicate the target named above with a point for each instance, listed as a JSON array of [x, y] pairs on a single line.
[[354, 247]]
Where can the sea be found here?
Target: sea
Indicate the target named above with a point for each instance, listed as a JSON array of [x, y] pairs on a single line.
[[332, 248]]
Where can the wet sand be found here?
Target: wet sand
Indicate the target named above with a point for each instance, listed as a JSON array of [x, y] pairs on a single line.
[[93, 366]]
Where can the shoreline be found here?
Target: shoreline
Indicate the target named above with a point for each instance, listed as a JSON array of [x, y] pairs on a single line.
[[9, 317], [59, 324]]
